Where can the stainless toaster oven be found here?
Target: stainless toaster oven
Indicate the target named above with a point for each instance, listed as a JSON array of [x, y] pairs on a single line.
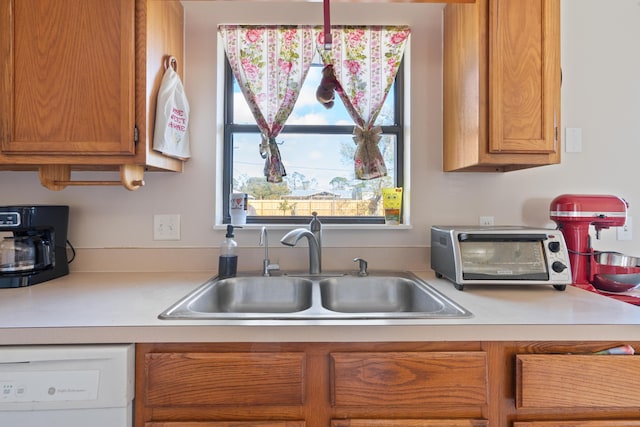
[[500, 255]]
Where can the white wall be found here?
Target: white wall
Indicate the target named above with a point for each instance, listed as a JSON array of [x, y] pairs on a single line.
[[601, 95]]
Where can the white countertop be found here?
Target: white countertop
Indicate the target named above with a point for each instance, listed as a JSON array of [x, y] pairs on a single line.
[[124, 307]]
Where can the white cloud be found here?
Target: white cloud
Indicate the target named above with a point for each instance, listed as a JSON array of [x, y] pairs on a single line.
[[242, 113], [307, 119], [307, 97], [316, 155], [308, 93]]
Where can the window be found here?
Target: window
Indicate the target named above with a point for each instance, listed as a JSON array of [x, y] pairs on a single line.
[[317, 150]]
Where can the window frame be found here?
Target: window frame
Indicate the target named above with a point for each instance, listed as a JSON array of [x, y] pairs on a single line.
[[229, 128]]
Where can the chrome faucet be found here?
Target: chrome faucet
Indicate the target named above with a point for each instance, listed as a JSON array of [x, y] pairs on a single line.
[[292, 237], [266, 263]]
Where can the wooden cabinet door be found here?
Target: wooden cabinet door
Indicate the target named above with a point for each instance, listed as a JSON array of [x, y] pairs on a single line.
[[577, 381], [228, 424], [223, 379], [401, 379], [501, 85], [67, 77], [524, 73], [409, 423], [599, 423]]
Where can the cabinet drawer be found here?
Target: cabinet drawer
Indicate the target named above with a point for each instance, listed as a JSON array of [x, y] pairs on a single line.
[[228, 424], [616, 423], [571, 381], [409, 423], [408, 378], [188, 379]]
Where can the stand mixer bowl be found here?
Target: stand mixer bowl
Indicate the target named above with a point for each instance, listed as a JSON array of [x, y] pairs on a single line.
[[616, 282], [616, 259]]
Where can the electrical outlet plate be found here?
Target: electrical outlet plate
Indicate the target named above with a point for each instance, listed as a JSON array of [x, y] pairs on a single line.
[[486, 220], [624, 232], [166, 227]]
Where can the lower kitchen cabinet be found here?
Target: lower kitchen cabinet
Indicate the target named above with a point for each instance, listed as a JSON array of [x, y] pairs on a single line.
[[405, 379], [230, 424], [577, 381], [400, 384], [604, 423], [409, 423], [204, 378]]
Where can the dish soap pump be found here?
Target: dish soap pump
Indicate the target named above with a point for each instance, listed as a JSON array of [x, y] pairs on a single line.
[[228, 260]]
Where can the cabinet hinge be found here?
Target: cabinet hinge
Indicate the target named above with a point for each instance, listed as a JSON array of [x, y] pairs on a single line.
[[135, 134]]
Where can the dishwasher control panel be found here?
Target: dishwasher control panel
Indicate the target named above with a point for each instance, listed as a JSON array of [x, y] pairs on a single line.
[[49, 386]]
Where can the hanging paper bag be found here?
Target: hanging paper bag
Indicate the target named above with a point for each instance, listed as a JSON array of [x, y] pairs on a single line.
[[171, 134]]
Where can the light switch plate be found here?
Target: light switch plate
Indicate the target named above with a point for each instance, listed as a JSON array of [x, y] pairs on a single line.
[[573, 140]]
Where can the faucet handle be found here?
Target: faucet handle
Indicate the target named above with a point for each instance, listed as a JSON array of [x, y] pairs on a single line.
[[268, 267], [363, 266]]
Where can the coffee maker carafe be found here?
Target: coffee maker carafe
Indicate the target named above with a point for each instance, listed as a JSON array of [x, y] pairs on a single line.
[[33, 242]]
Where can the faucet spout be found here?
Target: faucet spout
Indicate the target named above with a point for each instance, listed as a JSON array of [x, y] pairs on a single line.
[[292, 238]]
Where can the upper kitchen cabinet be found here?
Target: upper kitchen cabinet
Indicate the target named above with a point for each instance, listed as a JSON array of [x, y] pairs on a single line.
[[501, 85], [79, 84]]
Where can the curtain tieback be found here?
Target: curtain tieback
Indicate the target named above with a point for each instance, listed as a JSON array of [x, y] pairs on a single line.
[[273, 167], [367, 136]]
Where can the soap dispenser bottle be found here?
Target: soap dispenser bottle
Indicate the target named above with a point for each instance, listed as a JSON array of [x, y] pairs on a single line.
[[228, 260]]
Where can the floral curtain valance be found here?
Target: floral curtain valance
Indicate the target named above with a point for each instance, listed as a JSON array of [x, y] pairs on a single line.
[[271, 64]]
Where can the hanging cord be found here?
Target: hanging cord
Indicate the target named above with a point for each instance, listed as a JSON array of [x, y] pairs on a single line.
[[328, 40], [73, 252]]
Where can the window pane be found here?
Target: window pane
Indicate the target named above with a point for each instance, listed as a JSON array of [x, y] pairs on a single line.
[[320, 176]]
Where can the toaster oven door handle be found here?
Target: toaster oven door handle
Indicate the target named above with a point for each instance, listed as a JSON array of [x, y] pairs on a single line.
[[496, 237]]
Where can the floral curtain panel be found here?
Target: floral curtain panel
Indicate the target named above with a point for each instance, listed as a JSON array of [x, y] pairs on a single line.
[[270, 64], [365, 61]]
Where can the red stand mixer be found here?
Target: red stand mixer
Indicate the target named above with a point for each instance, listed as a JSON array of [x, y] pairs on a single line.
[[575, 214]]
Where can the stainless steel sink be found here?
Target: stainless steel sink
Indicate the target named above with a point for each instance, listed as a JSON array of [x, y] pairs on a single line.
[[244, 297], [254, 295], [386, 294], [390, 295]]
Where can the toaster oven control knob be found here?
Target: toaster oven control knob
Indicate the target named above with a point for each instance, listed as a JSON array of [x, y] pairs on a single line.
[[558, 267], [554, 246]]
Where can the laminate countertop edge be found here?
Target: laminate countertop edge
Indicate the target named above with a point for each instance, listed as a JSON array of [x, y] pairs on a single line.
[[120, 307]]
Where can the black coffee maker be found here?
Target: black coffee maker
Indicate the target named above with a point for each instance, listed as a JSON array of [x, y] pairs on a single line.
[[33, 244]]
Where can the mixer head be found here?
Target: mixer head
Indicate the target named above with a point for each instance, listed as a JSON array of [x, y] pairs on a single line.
[[603, 211]]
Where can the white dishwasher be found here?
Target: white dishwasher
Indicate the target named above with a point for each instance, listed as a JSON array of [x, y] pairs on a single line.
[[67, 385]]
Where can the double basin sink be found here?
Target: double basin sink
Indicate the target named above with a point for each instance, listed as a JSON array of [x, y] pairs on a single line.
[[397, 295]]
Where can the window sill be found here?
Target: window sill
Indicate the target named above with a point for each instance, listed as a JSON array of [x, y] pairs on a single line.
[[377, 227]]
